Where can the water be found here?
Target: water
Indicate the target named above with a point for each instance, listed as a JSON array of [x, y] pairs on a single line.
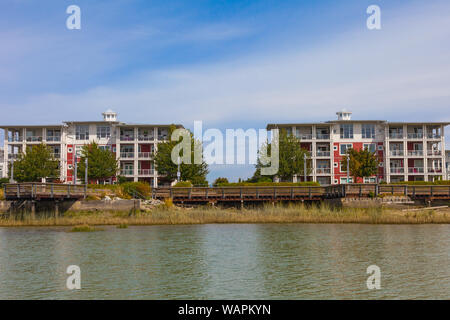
[[249, 261]]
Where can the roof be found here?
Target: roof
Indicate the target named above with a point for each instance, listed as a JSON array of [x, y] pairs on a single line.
[[8, 126], [283, 125]]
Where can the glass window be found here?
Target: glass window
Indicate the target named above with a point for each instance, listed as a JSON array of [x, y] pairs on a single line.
[[103, 132], [370, 146], [345, 147], [346, 131], [82, 132], [368, 131]]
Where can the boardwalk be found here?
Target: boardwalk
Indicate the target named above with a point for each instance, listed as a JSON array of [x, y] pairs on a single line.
[[43, 191]]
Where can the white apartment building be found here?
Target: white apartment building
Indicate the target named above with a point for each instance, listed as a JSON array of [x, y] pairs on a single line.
[[133, 144], [407, 151]]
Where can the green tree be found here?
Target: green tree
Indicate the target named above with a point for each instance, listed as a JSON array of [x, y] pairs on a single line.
[[195, 173], [291, 159], [102, 163], [37, 163], [363, 163], [220, 180]]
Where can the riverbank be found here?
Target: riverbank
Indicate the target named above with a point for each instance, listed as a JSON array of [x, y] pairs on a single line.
[[210, 215]]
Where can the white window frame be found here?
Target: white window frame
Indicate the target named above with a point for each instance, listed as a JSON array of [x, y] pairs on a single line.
[[346, 144], [370, 144], [368, 128], [345, 178]]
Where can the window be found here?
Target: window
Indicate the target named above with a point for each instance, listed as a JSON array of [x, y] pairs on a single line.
[[344, 180], [345, 147], [370, 146], [78, 150], [105, 148], [82, 133], [343, 166], [368, 131], [346, 131], [103, 132], [370, 180]]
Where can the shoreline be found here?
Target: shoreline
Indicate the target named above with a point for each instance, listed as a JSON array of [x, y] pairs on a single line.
[[267, 214]]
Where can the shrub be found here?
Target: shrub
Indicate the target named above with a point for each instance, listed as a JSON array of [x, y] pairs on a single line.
[[220, 180], [3, 181], [85, 228], [2, 195], [139, 188], [269, 184], [183, 184]]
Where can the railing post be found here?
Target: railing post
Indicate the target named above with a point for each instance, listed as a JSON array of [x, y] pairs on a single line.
[[431, 191], [51, 190], [392, 190], [223, 193], [85, 191], [257, 192], [292, 192], [206, 193], [376, 190], [360, 191], [406, 190], [171, 193], [414, 192], [274, 193], [310, 194], [68, 191], [18, 190], [240, 191], [190, 192]]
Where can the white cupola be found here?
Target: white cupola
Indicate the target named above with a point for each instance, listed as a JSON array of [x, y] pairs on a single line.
[[344, 115], [109, 115]]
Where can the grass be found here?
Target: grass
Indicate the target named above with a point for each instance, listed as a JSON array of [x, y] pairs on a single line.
[[267, 214], [84, 228], [122, 226]]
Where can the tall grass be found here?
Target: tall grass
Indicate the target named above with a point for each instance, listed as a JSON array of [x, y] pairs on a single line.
[[292, 213]]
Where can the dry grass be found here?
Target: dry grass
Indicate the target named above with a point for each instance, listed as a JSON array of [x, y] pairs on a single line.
[[267, 214]]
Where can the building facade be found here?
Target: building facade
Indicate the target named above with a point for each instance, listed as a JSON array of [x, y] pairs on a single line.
[[406, 151], [2, 159], [133, 144]]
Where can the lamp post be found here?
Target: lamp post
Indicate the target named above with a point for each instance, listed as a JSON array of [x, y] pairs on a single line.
[[75, 170], [348, 168], [178, 170], [11, 179], [86, 171]]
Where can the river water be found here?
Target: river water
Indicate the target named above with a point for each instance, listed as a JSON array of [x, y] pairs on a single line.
[[230, 261]]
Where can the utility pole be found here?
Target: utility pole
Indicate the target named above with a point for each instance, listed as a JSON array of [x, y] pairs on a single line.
[[86, 171], [348, 168], [304, 167]]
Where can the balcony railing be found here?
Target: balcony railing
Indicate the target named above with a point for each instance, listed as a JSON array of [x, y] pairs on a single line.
[[56, 155], [322, 153], [145, 154], [304, 136], [416, 170], [127, 154], [396, 135], [15, 139], [396, 153], [323, 170], [434, 136], [146, 138], [323, 136], [434, 170], [434, 153], [34, 139], [397, 170], [53, 139], [415, 153], [13, 155], [127, 138], [163, 137], [415, 135], [146, 172], [127, 172]]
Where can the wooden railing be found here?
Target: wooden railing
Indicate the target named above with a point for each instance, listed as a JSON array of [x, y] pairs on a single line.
[[43, 191]]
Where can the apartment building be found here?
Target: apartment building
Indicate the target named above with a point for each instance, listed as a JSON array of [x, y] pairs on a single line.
[[407, 151], [133, 144]]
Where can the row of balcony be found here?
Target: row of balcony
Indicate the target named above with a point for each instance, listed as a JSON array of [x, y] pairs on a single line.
[[415, 153], [141, 155], [143, 138], [400, 135], [34, 139], [141, 172], [401, 170]]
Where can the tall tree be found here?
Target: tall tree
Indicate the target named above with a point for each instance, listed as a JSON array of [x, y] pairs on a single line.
[[291, 159], [196, 173], [102, 163], [363, 163], [37, 163]]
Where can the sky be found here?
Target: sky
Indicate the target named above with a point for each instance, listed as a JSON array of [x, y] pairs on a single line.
[[229, 64]]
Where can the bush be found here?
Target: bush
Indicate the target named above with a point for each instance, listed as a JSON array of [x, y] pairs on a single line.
[[220, 181], [3, 181], [423, 183], [139, 188], [183, 184], [270, 184], [2, 195]]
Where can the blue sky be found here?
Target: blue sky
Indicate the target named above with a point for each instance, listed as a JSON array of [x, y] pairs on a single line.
[[231, 64]]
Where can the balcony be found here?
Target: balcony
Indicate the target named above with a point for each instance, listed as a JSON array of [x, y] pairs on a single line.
[[395, 135], [304, 136], [396, 153], [146, 172], [397, 170], [146, 138], [323, 170], [127, 155], [415, 135], [145, 155], [435, 153], [415, 153], [34, 139], [127, 138], [53, 139], [56, 155], [322, 153], [416, 170], [127, 172], [434, 136], [15, 139], [434, 170], [13, 155], [322, 136]]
